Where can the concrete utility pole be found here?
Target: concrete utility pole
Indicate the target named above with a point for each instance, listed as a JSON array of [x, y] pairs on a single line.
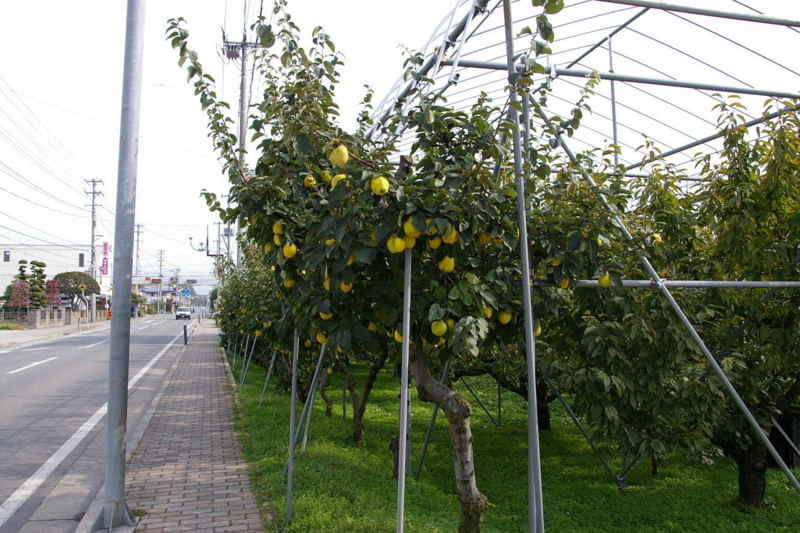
[[160, 275], [116, 512], [139, 231], [239, 50], [94, 193]]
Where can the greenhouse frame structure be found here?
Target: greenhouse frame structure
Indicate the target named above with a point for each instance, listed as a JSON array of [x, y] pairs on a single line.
[[454, 36]]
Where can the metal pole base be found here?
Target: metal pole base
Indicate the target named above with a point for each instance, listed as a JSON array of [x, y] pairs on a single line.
[[116, 517]]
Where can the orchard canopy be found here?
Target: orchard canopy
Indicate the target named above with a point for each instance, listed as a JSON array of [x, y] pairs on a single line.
[[643, 144]]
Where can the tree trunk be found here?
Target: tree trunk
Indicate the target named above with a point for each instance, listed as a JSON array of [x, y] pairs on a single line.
[[457, 412], [360, 406], [752, 464], [324, 395]]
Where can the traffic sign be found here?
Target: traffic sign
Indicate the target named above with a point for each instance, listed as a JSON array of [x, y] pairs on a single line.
[[82, 286]]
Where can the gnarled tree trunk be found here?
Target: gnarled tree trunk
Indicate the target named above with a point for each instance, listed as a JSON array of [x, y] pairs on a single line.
[[360, 405], [457, 412]]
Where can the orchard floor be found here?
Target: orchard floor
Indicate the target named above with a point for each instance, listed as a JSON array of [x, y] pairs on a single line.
[[341, 487]]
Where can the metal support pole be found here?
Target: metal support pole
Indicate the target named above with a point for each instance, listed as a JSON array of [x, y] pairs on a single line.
[[344, 398], [485, 410], [686, 284], [614, 131], [715, 136], [499, 404], [580, 427], [269, 373], [747, 321], [313, 395], [246, 363], [707, 12], [292, 415], [759, 432], [432, 423], [116, 512], [535, 501], [185, 336], [577, 73], [401, 460]]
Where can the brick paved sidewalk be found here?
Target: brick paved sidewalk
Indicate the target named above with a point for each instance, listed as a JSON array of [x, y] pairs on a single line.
[[189, 473]]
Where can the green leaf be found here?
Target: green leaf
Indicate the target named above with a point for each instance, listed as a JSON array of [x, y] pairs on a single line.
[[553, 6], [435, 312]]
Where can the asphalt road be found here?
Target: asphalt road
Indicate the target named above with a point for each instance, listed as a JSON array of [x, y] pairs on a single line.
[[52, 398]]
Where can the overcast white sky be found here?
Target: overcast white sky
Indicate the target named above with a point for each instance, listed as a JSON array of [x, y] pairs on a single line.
[[60, 95]]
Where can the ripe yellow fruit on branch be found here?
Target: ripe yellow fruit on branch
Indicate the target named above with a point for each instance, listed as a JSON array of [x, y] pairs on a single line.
[[450, 323], [555, 262], [379, 185], [288, 282], [397, 336], [345, 287], [447, 264], [307, 343], [538, 331], [339, 156], [451, 235], [373, 327], [327, 284], [605, 280], [329, 242], [277, 240], [351, 259], [438, 328], [325, 316], [434, 243], [563, 284], [326, 176], [269, 247], [395, 244], [277, 228], [309, 181], [321, 338], [289, 250], [336, 179], [410, 230], [487, 311], [505, 316], [409, 241], [484, 238]]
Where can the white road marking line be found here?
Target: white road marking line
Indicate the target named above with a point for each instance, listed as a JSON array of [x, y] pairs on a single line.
[[31, 365], [34, 349], [93, 345], [19, 497]]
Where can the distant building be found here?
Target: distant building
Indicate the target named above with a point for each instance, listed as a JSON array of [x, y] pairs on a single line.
[[58, 258]]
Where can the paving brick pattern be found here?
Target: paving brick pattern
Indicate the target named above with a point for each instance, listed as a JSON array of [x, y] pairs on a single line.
[[189, 473]]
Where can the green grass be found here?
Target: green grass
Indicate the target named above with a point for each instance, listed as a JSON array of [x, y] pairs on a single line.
[[12, 327], [340, 487]]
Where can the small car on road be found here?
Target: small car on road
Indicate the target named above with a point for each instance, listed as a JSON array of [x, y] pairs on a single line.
[[183, 312]]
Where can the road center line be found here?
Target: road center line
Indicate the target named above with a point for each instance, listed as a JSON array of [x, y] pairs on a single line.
[[34, 349], [19, 497], [31, 365], [93, 345]]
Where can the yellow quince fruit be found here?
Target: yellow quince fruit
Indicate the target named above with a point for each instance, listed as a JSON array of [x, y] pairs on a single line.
[[379, 185], [339, 156], [447, 264]]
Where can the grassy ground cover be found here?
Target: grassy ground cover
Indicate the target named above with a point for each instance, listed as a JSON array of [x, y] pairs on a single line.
[[341, 487]]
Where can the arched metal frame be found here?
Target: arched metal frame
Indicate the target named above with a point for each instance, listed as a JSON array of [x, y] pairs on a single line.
[[473, 28]]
